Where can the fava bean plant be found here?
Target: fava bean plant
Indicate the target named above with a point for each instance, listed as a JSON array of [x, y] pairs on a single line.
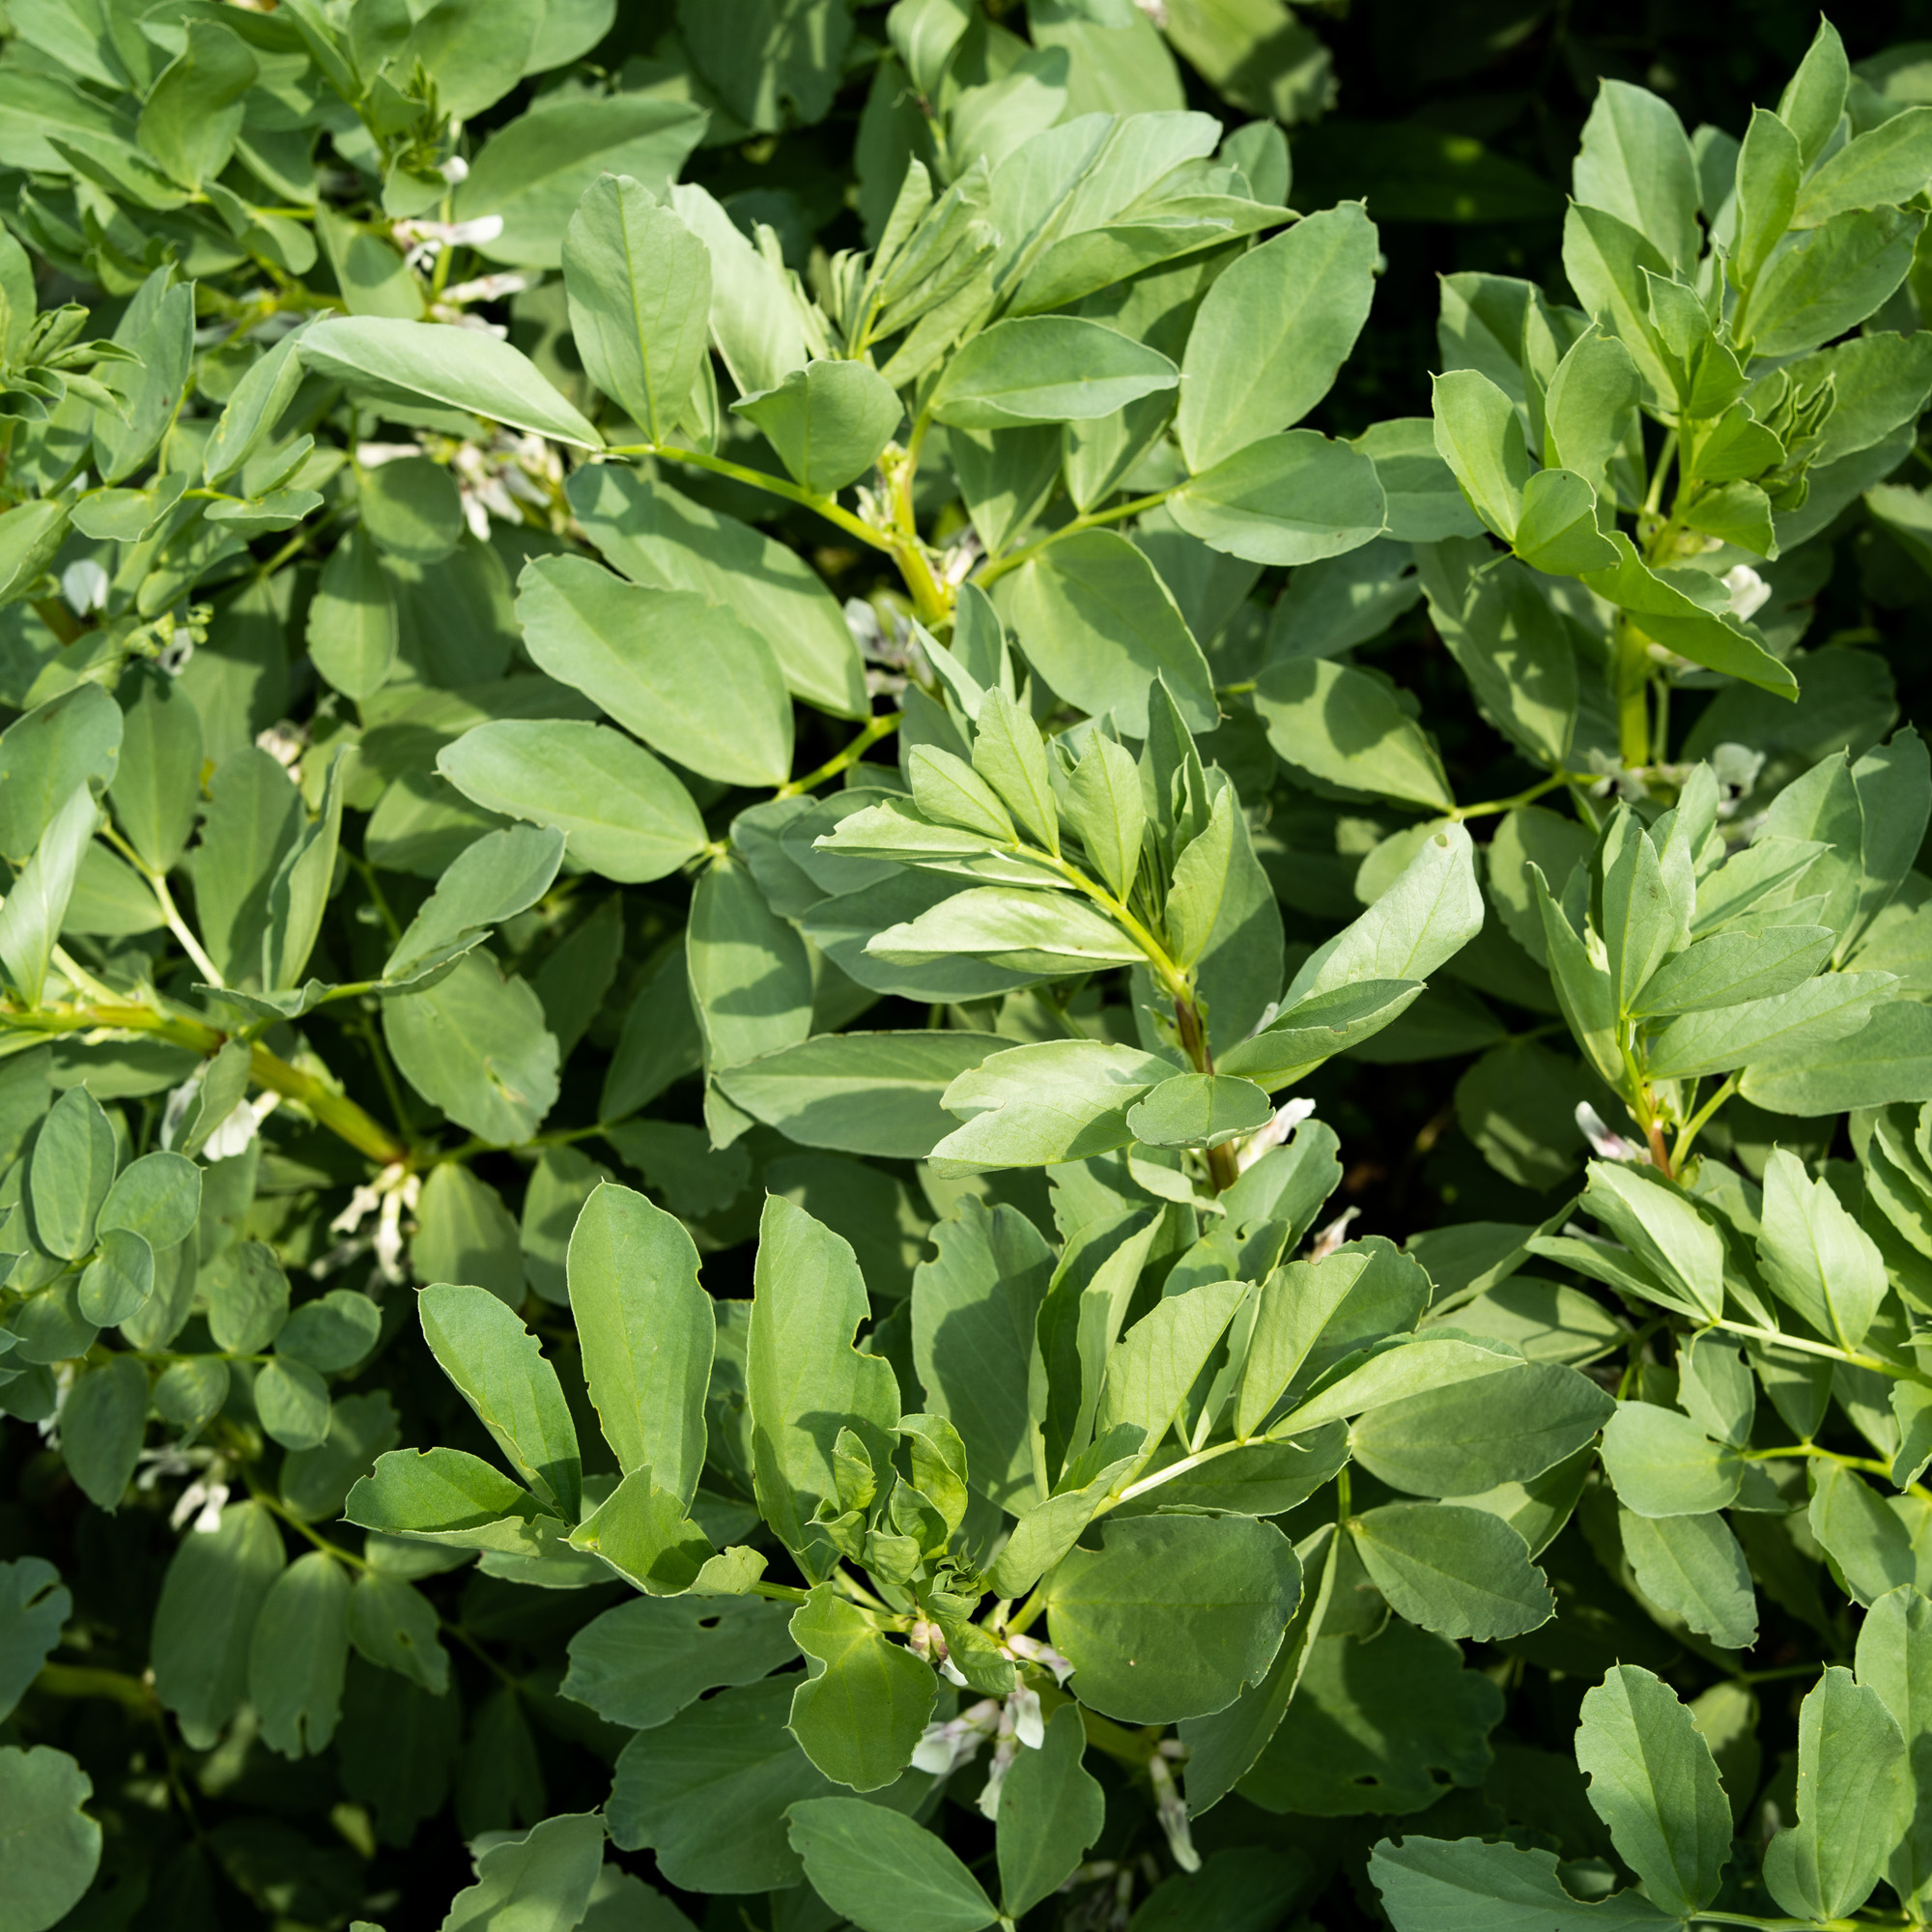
[[733, 775]]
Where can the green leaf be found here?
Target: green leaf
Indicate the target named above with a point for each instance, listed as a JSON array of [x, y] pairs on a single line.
[[1423, 501], [1408, 1367], [1153, 1367], [411, 510], [1008, 754], [1361, 1293], [1197, 1110], [1046, 369], [1653, 1783], [864, 1701], [800, 1368], [1635, 162], [299, 891], [1889, 1059], [51, 1848], [1854, 1802], [1041, 932], [1033, 1106], [1781, 1031], [1467, 1437], [1434, 1885], [212, 1594], [464, 1233], [542, 1880], [1662, 1464], [1521, 665], [292, 1402], [1868, 1541], [1479, 435], [1457, 1571], [1291, 499], [501, 874], [708, 1791], [1691, 1566], [392, 1625], [1097, 623], [750, 975], [539, 171], [1557, 531], [1884, 166], [860, 1092], [1051, 1811], [193, 114], [974, 1309], [1273, 332], [247, 1297], [1815, 1256], [475, 1045], [884, 1872], [119, 1280], [33, 1610], [642, 1663], [647, 1331], [1814, 96], [73, 740], [689, 678], [1664, 1230], [1345, 725], [1373, 1725], [499, 1371], [331, 1333], [391, 360], [101, 1427], [1172, 1615], [157, 786], [448, 1496], [1827, 279], [642, 1531], [71, 1174], [1590, 407], [638, 283], [36, 901], [299, 1655], [827, 423], [1892, 1656]]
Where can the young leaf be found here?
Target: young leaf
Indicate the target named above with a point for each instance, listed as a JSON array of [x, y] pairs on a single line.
[[1460, 1572], [499, 1371], [639, 285], [827, 423], [646, 1330], [801, 1367], [864, 1702]]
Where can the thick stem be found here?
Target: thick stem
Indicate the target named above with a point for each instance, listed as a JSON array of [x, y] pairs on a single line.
[[875, 730], [336, 1112], [1221, 1168], [1633, 694]]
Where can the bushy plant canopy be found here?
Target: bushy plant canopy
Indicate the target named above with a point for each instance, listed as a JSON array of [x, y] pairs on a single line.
[[730, 790]]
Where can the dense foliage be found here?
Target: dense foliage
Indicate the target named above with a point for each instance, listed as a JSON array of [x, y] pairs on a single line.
[[875, 1047]]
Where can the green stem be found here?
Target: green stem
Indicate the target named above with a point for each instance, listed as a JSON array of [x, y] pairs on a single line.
[[875, 730], [1632, 675], [1776, 1338], [170, 911], [336, 1112], [1698, 1121], [760, 479], [1094, 519], [1489, 808], [1793, 1452]]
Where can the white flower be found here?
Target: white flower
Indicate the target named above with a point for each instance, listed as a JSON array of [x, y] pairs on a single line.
[[1607, 1144], [1287, 1117], [454, 170], [234, 1134], [1332, 1236], [1750, 592], [84, 585]]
